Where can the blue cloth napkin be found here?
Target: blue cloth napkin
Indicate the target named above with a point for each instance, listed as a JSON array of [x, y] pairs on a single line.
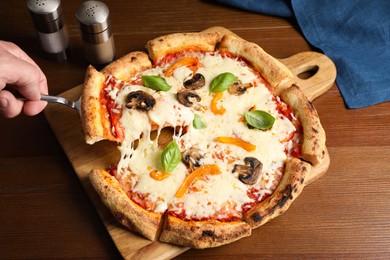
[[355, 34]]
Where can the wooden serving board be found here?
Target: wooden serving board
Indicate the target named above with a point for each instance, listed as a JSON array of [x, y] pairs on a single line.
[[66, 125]]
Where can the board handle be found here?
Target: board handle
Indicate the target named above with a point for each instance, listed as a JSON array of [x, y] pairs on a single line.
[[313, 72]]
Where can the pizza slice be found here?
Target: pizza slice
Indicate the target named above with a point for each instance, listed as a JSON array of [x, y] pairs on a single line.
[[212, 143], [100, 122]]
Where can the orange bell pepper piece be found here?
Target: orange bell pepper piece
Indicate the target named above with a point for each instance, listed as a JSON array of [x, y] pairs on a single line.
[[211, 169], [214, 102], [237, 142], [158, 176], [191, 62]]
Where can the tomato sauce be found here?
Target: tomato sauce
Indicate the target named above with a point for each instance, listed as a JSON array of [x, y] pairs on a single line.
[[113, 171], [114, 113], [283, 108], [255, 195]]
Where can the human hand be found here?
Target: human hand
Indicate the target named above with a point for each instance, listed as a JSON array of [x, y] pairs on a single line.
[[20, 72]]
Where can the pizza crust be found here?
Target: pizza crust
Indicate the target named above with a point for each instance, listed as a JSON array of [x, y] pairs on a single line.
[[172, 43], [222, 31], [270, 68], [94, 116], [202, 234], [289, 188], [128, 66], [95, 123], [123, 208], [314, 138]]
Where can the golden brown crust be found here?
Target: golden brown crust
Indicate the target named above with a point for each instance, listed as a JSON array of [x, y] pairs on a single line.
[[125, 210], [271, 69], [202, 234], [221, 30], [289, 187], [172, 43], [128, 66], [314, 139], [317, 171], [95, 123]]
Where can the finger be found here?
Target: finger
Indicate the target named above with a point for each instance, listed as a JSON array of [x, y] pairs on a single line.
[[9, 106], [17, 52], [21, 75], [43, 88], [28, 78], [32, 108]]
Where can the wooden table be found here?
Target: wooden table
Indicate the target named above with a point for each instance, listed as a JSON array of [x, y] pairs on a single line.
[[45, 213]]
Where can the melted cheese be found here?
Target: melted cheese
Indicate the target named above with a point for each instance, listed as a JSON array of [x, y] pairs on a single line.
[[213, 194], [169, 112], [211, 197]]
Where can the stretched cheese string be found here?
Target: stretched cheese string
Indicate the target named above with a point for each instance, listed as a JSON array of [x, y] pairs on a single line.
[[199, 173]]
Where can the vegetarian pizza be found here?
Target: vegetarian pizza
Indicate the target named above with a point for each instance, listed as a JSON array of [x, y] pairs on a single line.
[[212, 142]]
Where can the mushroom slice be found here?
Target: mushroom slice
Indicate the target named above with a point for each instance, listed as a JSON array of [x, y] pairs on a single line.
[[193, 158], [238, 88], [196, 82], [188, 97], [250, 172], [140, 100]]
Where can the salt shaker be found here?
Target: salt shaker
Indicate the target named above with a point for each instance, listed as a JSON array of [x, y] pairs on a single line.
[[95, 29], [51, 28]]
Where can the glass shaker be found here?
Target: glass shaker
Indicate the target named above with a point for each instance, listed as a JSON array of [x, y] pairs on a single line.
[[95, 29]]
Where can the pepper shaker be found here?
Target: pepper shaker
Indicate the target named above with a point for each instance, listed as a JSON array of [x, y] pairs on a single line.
[[51, 28], [95, 29]]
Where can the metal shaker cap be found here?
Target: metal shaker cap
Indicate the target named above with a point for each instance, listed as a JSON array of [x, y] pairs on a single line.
[[44, 11], [93, 16]]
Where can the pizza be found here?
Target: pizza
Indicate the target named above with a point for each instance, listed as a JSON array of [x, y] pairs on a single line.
[[212, 142]]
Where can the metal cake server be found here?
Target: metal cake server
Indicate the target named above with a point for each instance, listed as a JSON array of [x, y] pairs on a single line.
[[60, 100]]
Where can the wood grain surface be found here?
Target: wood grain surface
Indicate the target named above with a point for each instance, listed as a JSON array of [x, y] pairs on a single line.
[[45, 212]]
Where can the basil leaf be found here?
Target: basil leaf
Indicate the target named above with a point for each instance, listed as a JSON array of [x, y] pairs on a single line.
[[259, 119], [198, 122], [171, 156], [222, 82], [155, 82]]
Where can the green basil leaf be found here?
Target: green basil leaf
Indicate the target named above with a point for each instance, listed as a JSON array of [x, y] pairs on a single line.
[[222, 82], [155, 82], [198, 122], [259, 119], [170, 157]]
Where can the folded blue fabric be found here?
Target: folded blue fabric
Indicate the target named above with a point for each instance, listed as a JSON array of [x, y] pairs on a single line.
[[354, 34]]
